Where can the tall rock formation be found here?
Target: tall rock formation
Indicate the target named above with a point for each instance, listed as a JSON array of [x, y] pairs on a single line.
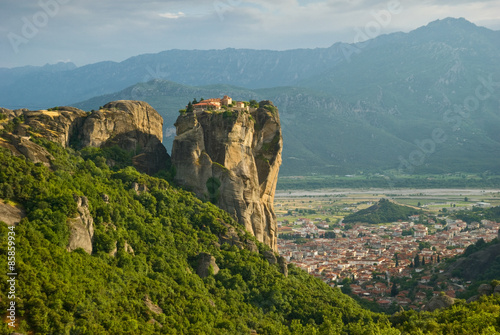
[[134, 126], [131, 125], [232, 158]]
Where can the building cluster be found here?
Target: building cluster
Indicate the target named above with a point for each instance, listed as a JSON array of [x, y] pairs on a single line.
[[365, 253], [217, 103]]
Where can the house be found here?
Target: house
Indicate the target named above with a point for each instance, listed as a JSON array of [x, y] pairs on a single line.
[[226, 101], [206, 105], [239, 104], [214, 103]]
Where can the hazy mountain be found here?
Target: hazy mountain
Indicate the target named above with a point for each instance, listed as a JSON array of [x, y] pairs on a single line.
[[243, 67], [344, 109]]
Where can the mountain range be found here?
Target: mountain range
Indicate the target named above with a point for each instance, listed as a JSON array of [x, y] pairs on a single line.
[[419, 102]]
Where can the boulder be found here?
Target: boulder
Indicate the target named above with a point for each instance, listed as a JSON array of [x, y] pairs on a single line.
[[439, 301], [485, 289], [206, 265]]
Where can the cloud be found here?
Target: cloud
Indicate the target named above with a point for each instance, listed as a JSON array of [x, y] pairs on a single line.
[[172, 15], [94, 30]]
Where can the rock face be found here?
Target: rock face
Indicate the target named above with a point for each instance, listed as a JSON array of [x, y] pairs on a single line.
[[131, 125], [232, 159], [81, 227], [283, 265]]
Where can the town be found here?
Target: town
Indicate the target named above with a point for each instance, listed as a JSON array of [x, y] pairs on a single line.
[[367, 257]]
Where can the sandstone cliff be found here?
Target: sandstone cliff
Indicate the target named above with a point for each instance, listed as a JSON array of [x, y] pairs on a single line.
[[232, 158], [131, 125]]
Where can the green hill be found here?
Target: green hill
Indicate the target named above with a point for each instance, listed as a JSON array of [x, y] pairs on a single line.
[[383, 211], [154, 289], [143, 275]]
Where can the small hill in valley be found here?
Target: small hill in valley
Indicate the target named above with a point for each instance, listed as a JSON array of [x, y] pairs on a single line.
[[383, 211]]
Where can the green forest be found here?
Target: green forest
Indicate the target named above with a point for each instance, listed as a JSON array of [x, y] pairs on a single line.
[[61, 292]]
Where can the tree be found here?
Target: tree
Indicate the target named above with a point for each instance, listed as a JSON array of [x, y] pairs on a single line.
[[423, 260], [416, 261], [396, 258], [394, 290], [190, 108], [424, 245]]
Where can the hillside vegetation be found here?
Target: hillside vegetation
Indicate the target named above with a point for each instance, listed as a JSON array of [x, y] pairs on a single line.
[[61, 292], [149, 283]]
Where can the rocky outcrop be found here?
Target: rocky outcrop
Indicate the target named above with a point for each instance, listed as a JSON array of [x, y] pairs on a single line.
[[206, 265], [439, 301], [485, 289], [232, 159], [11, 214], [283, 265], [23, 146], [270, 257], [81, 227], [59, 124], [134, 126], [131, 125], [475, 265], [152, 306]]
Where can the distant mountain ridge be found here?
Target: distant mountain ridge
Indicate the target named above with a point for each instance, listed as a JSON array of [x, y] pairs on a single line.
[[396, 105], [240, 67]]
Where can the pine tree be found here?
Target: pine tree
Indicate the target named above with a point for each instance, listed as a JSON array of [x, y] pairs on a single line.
[[394, 290], [416, 261], [189, 108]]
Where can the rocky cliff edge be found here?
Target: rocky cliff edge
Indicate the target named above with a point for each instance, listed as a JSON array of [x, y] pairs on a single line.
[[232, 158], [131, 125]]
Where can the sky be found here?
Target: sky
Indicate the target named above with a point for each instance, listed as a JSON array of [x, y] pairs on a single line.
[[37, 32]]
